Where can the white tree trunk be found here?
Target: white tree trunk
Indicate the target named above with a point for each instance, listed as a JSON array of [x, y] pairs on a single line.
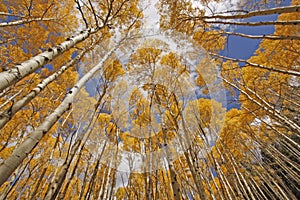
[[15, 74], [269, 37], [266, 107], [21, 152], [24, 21], [291, 22], [280, 10], [9, 113], [290, 72]]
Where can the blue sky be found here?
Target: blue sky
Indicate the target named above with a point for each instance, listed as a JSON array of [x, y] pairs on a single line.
[[244, 48], [236, 47]]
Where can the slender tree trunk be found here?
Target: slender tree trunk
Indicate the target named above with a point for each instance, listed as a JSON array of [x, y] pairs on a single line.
[[268, 108], [33, 194], [10, 186], [271, 11], [268, 37], [15, 74], [272, 23], [55, 186], [24, 21], [105, 188], [81, 193], [64, 191], [173, 176], [250, 64], [21, 152], [81, 140], [10, 112], [91, 186], [102, 183]]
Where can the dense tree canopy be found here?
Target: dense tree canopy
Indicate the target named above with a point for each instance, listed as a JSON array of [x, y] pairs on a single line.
[[128, 99]]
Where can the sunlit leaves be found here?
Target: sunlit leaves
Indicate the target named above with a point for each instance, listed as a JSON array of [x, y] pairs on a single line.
[[153, 105], [210, 40], [113, 70]]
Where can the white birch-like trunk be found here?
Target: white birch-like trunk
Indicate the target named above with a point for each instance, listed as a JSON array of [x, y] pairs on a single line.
[[266, 107], [290, 22], [15, 74], [56, 184], [24, 21], [290, 72], [10, 112], [271, 11], [21, 152], [268, 37], [9, 14], [105, 190]]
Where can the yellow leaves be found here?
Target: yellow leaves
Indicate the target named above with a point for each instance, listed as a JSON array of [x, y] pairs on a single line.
[[205, 109], [289, 29], [200, 81], [172, 15], [231, 70], [140, 112], [210, 40], [207, 75], [232, 123], [11, 52], [130, 143], [6, 152], [146, 55], [120, 193], [111, 132], [141, 115], [104, 119], [235, 130], [171, 60], [113, 71], [172, 116]]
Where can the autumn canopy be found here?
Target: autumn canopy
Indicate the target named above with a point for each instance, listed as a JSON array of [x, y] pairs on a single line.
[[137, 99]]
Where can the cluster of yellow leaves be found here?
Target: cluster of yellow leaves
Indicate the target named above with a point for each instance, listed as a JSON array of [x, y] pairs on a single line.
[[146, 55], [113, 71], [140, 112], [130, 143], [211, 40]]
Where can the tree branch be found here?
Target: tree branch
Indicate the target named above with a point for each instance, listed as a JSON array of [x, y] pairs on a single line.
[[269, 37], [290, 72]]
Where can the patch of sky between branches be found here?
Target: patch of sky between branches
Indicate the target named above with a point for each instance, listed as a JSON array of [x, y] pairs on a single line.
[[244, 48]]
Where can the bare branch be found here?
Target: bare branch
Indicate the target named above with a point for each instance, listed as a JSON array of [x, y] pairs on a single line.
[[25, 21], [292, 22], [269, 37], [290, 72], [94, 13], [82, 14], [271, 11]]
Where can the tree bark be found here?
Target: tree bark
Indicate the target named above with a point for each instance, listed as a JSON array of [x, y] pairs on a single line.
[[21, 152], [290, 72], [6, 115], [15, 74], [268, 37], [291, 22], [24, 21], [271, 11]]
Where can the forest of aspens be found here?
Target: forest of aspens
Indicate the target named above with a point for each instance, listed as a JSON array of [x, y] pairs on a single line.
[[150, 99]]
